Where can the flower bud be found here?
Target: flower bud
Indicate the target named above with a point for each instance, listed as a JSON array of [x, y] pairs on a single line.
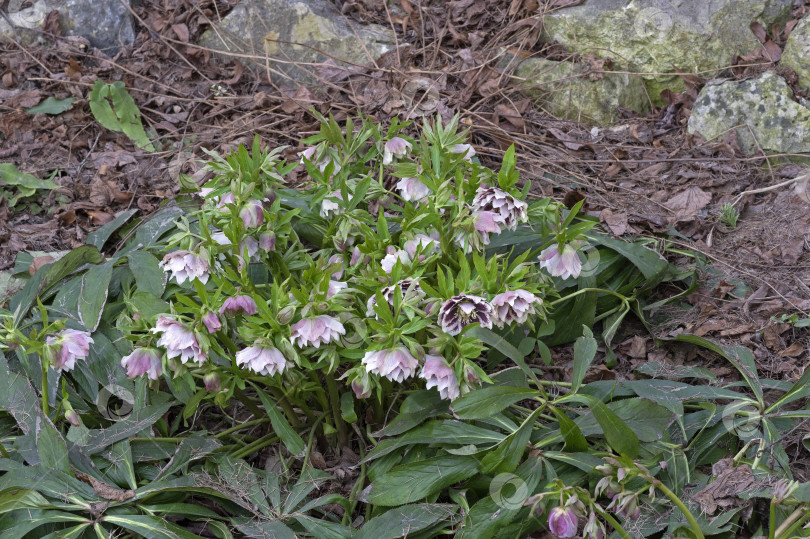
[[212, 322], [286, 315], [267, 242], [212, 383]]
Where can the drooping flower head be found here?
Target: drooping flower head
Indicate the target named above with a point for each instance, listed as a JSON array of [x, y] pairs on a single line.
[[508, 210], [474, 237], [461, 310], [408, 287], [398, 147], [396, 364], [562, 521], [329, 207], [437, 373], [252, 214], [514, 306], [594, 529], [625, 504], [212, 322], [264, 360], [316, 330], [412, 190], [65, 347], [212, 382], [186, 265], [178, 340], [389, 261], [361, 385], [564, 265], [237, 305], [143, 361], [466, 149], [267, 242]]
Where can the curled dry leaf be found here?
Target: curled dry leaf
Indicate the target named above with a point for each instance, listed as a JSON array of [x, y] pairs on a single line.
[[687, 203], [38, 262]]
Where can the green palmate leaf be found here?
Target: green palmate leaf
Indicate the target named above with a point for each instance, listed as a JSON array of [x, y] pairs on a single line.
[[584, 353], [93, 296], [52, 106], [294, 443], [574, 439], [506, 456], [446, 432], [417, 480], [100, 236], [739, 356], [406, 520], [126, 117], [490, 400]]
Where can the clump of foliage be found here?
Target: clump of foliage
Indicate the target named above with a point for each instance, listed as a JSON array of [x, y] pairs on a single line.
[[399, 306]]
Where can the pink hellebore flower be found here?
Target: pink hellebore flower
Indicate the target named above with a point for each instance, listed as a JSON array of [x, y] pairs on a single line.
[[508, 210], [185, 265], [212, 382], [143, 361], [262, 360], [562, 521], [335, 287], [396, 364], [317, 330], [461, 310], [212, 322], [243, 305], [412, 190], [309, 153], [466, 149], [66, 347], [178, 340], [563, 265], [361, 387], [484, 224], [330, 207], [514, 306], [252, 214], [389, 261], [267, 242], [398, 147], [438, 374], [427, 244]]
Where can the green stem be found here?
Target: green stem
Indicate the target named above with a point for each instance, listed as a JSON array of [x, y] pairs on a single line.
[[3, 451], [334, 401], [45, 366], [792, 523], [241, 397], [287, 407], [244, 425], [772, 522], [358, 486], [264, 441], [585, 290], [613, 522], [677, 501]]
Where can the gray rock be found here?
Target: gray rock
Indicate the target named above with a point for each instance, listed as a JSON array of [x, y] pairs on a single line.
[[105, 23], [290, 34], [565, 90], [796, 55], [763, 108], [662, 36]]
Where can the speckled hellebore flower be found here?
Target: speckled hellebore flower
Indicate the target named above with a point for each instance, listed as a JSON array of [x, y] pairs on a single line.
[[178, 340], [398, 147], [437, 373], [252, 214], [461, 310], [405, 285], [65, 347], [396, 364], [143, 361], [186, 265], [317, 330], [212, 322], [563, 265], [236, 305], [412, 189], [514, 306], [466, 149], [508, 210], [562, 521], [262, 360]]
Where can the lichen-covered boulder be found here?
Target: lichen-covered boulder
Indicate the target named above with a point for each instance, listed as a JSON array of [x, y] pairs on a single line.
[[663, 36], [293, 36], [763, 108], [106, 24], [567, 90], [796, 55]]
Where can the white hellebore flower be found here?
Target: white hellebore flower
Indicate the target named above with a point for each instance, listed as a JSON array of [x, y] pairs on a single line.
[[396, 364], [398, 147], [563, 265]]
